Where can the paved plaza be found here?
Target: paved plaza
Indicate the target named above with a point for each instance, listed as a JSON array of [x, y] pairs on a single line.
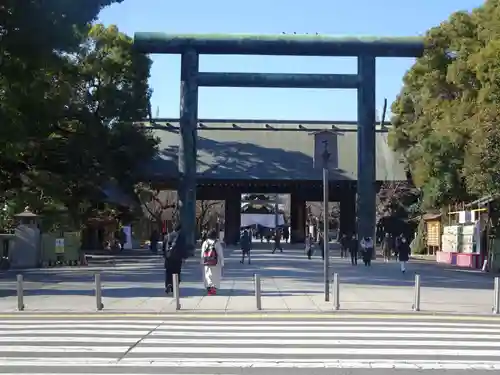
[[290, 283]]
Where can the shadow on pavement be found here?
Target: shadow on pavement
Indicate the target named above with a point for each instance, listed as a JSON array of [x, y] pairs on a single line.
[[295, 265], [287, 273]]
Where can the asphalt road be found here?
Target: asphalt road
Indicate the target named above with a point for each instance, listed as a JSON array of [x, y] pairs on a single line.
[[248, 344]]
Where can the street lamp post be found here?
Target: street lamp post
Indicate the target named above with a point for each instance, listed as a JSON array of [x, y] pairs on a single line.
[[326, 158]]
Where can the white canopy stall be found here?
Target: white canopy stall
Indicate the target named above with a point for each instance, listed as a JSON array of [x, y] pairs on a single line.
[[266, 220]]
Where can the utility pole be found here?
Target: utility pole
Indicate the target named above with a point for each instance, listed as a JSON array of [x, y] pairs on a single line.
[[326, 229], [276, 212]]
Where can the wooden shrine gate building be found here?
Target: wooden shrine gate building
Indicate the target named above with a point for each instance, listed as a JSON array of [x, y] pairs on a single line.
[[237, 157]]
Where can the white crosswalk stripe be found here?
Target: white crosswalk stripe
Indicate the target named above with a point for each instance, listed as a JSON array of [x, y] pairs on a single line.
[[141, 345]]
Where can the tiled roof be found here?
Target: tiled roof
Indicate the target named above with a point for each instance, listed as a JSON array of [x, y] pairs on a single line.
[[271, 150]]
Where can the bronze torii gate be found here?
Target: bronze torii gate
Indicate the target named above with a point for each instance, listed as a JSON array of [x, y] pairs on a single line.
[[190, 46]]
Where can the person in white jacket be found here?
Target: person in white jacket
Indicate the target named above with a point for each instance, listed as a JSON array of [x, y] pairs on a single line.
[[212, 259]]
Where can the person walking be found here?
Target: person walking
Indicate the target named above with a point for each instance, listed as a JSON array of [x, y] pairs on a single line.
[[286, 234], [367, 247], [403, 253], [277, 241], [344, 245], [246, 245], [353, 250], [397, 242], [321, 244], [386, 247], [174, 254], [268, 235], [309, 246], [168, 240], [153, 241], [212, 259]]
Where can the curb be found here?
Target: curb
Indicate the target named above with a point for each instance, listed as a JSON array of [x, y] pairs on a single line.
[[319, 315]]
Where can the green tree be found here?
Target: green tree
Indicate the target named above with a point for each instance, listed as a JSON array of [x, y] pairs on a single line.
[[35, 35], [445, 117], [96, 142], [67, 110]]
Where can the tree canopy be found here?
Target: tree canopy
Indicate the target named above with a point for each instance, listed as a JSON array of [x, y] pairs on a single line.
[[69, 93], [445, 119]]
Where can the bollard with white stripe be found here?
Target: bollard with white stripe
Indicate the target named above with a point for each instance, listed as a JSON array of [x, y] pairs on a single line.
[[416, 297], [20, 293], [336, 292], [98, 292], [258, 292], [177, 297], [496, 296]]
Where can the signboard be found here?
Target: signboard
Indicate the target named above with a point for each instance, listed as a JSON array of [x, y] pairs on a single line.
[[59, 245], [326, 141], [433, 233]]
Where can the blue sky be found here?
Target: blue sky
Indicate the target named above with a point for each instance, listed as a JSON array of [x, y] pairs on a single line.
[[354, 18]]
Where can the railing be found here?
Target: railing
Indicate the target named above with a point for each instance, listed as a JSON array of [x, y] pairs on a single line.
[[336, 305]]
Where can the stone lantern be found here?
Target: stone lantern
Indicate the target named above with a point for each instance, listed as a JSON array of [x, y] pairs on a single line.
[[26, 251], [27, 217]]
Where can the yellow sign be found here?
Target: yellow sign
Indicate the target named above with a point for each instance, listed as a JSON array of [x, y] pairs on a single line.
[[59, 245]]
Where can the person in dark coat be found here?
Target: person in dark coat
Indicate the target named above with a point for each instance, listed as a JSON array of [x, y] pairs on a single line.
[[367, 247], [353, 250], [246, 245], [153, 239], [344, 245], [277, 241], [174, 255], [403, 253], [286, 234], [321, 244], [397, 241]]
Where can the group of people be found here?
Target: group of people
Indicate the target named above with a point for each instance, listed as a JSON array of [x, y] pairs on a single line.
[[246, 244], [269, 234], [212, 259], [212, 254], [398, 246], [348, 244], [364, 248]]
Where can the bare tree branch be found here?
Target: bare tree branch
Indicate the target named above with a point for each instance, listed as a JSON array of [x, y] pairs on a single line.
[[156, 203], [395, 198], [205, 209]]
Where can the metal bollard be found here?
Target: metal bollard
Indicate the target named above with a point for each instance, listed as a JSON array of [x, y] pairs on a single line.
[[416, 298], [336, 292], [98, 292], [496, 297], [20, 293], [177, 297], [258, 293]]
